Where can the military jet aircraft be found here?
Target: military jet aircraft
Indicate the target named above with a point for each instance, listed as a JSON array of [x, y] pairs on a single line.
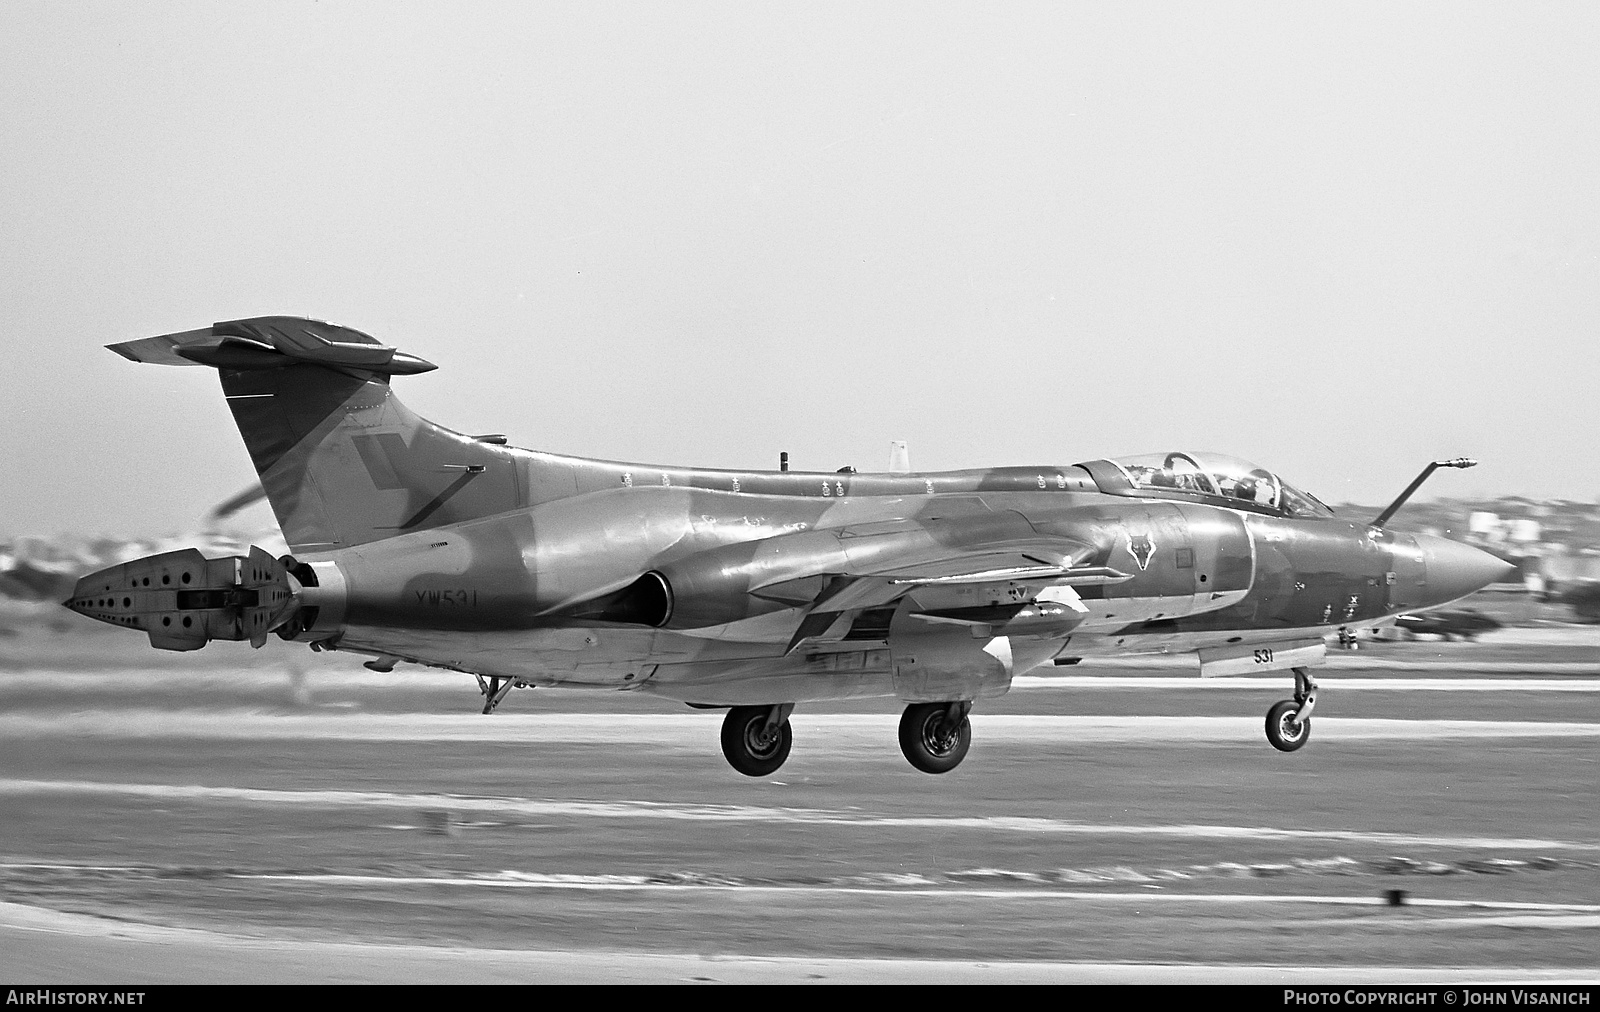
[[751, 590]]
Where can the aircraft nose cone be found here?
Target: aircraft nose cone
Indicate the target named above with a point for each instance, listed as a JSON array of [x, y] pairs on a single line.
[[1455, 570]]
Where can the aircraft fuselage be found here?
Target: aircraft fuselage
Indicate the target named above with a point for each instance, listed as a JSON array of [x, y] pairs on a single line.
[[524, 594]]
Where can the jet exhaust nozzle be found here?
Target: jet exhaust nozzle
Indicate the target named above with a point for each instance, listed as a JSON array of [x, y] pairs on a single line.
[[184, 600]]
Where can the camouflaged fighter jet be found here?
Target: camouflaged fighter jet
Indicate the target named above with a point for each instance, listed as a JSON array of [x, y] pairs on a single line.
[[751, 590]]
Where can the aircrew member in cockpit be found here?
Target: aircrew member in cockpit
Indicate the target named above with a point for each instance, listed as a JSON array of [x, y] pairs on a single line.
[[1252, 487], [1264, 488]]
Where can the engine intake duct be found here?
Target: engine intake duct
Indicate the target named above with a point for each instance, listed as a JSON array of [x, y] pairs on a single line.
[[183, 600], [645, 601]]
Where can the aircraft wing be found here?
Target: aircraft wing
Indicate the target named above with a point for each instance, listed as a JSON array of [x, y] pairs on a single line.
[[905, 555], [762, 589], [1055, 575], [882, 589], [907, 561]]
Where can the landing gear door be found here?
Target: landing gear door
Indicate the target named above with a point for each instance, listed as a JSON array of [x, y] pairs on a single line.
[[1251, 658]]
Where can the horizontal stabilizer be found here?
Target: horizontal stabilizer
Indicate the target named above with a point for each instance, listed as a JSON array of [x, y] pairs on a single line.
[[161, 350], [271, 342]]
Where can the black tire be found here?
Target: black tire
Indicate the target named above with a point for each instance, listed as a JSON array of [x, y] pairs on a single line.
[[746, 745], [928, 740], [1282, 731]]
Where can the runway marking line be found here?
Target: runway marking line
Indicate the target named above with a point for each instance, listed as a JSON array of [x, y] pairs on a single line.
[[1579, 915], [1056, 878], [757, 813], [967, 892], [612, 883], [388, 961]]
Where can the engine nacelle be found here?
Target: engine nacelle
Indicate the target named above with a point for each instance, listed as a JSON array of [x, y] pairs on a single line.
[[725, 584], [737, 581]]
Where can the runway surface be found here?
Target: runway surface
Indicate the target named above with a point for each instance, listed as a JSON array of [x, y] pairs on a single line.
[[1115, 822]]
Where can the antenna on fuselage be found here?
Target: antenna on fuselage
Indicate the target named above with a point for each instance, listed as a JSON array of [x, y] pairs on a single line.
[[783, 461], [1394, 507], [899, 457]]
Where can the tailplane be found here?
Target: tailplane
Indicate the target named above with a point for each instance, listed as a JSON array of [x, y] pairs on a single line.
[[343, 462]]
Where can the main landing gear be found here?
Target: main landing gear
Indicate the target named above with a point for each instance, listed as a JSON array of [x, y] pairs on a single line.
[[1289, 720], [494, 689], [934, 736], [756, 739]]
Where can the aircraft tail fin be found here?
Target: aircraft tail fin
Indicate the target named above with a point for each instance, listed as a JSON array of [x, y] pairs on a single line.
[[343, 462]]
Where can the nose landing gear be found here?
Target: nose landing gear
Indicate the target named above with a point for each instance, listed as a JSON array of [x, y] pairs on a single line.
[[935, 736], [1289, 720], [756, 739]]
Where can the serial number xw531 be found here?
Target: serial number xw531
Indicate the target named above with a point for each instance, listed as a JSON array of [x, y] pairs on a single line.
[[448, 597]]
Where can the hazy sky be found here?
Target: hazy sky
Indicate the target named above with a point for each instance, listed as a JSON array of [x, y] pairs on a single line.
[[1338, 239]]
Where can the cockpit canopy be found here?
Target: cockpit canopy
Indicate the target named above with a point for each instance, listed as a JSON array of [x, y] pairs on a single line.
[[1214, 478]]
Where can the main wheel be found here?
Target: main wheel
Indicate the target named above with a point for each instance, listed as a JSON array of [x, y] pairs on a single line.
[[749, 746], [1284, 732], [931, 741]]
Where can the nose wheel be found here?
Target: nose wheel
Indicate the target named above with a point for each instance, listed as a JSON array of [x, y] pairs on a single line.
[[756, 739], [935, 736], [1289, 720]]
